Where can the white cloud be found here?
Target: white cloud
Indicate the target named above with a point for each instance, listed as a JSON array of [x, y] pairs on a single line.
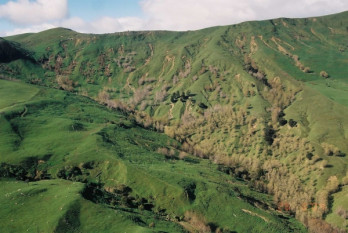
[[34, 28], [165, 14], [104, 24], [28, 12], [99, 26], [109, 25], [193, 14]]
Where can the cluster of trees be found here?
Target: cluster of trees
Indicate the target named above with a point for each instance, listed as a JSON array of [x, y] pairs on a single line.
[[252, 147], [65, 83], [249, 157], [317, 225], [139, 117], [140, 94], [198, 222], [251, 67], [324, 74], [144, 79], [119, 196], [331, 150], [126, 62], [187, 69], [305, 69], [183, 97], [279, 95], [70, 173], [169, 153], [29, 170]]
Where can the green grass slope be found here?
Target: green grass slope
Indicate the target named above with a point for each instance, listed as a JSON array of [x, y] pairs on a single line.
[[267, 99], [81, 167]]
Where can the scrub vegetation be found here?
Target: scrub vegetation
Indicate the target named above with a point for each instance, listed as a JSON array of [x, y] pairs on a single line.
[[239, 128]]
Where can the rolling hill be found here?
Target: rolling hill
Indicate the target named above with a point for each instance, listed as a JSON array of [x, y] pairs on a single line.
[[265, 102], [71, 165]]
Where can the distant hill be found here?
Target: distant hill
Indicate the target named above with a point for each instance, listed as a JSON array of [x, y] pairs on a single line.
[[267, 101]]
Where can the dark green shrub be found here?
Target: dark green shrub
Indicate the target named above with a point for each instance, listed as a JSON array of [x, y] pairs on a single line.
[[203, 106], [292, 123], [309, 156], [77, 126], [269, 135], [283, 122]]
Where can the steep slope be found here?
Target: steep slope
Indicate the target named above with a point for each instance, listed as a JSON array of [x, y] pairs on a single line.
[[84, 168], [267, 99], [10, 52]]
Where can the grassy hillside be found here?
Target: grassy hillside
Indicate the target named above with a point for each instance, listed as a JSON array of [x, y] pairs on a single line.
[[267, 100], [84, 168]]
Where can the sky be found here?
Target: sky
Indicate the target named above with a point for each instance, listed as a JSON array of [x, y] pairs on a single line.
[[108, 16]]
